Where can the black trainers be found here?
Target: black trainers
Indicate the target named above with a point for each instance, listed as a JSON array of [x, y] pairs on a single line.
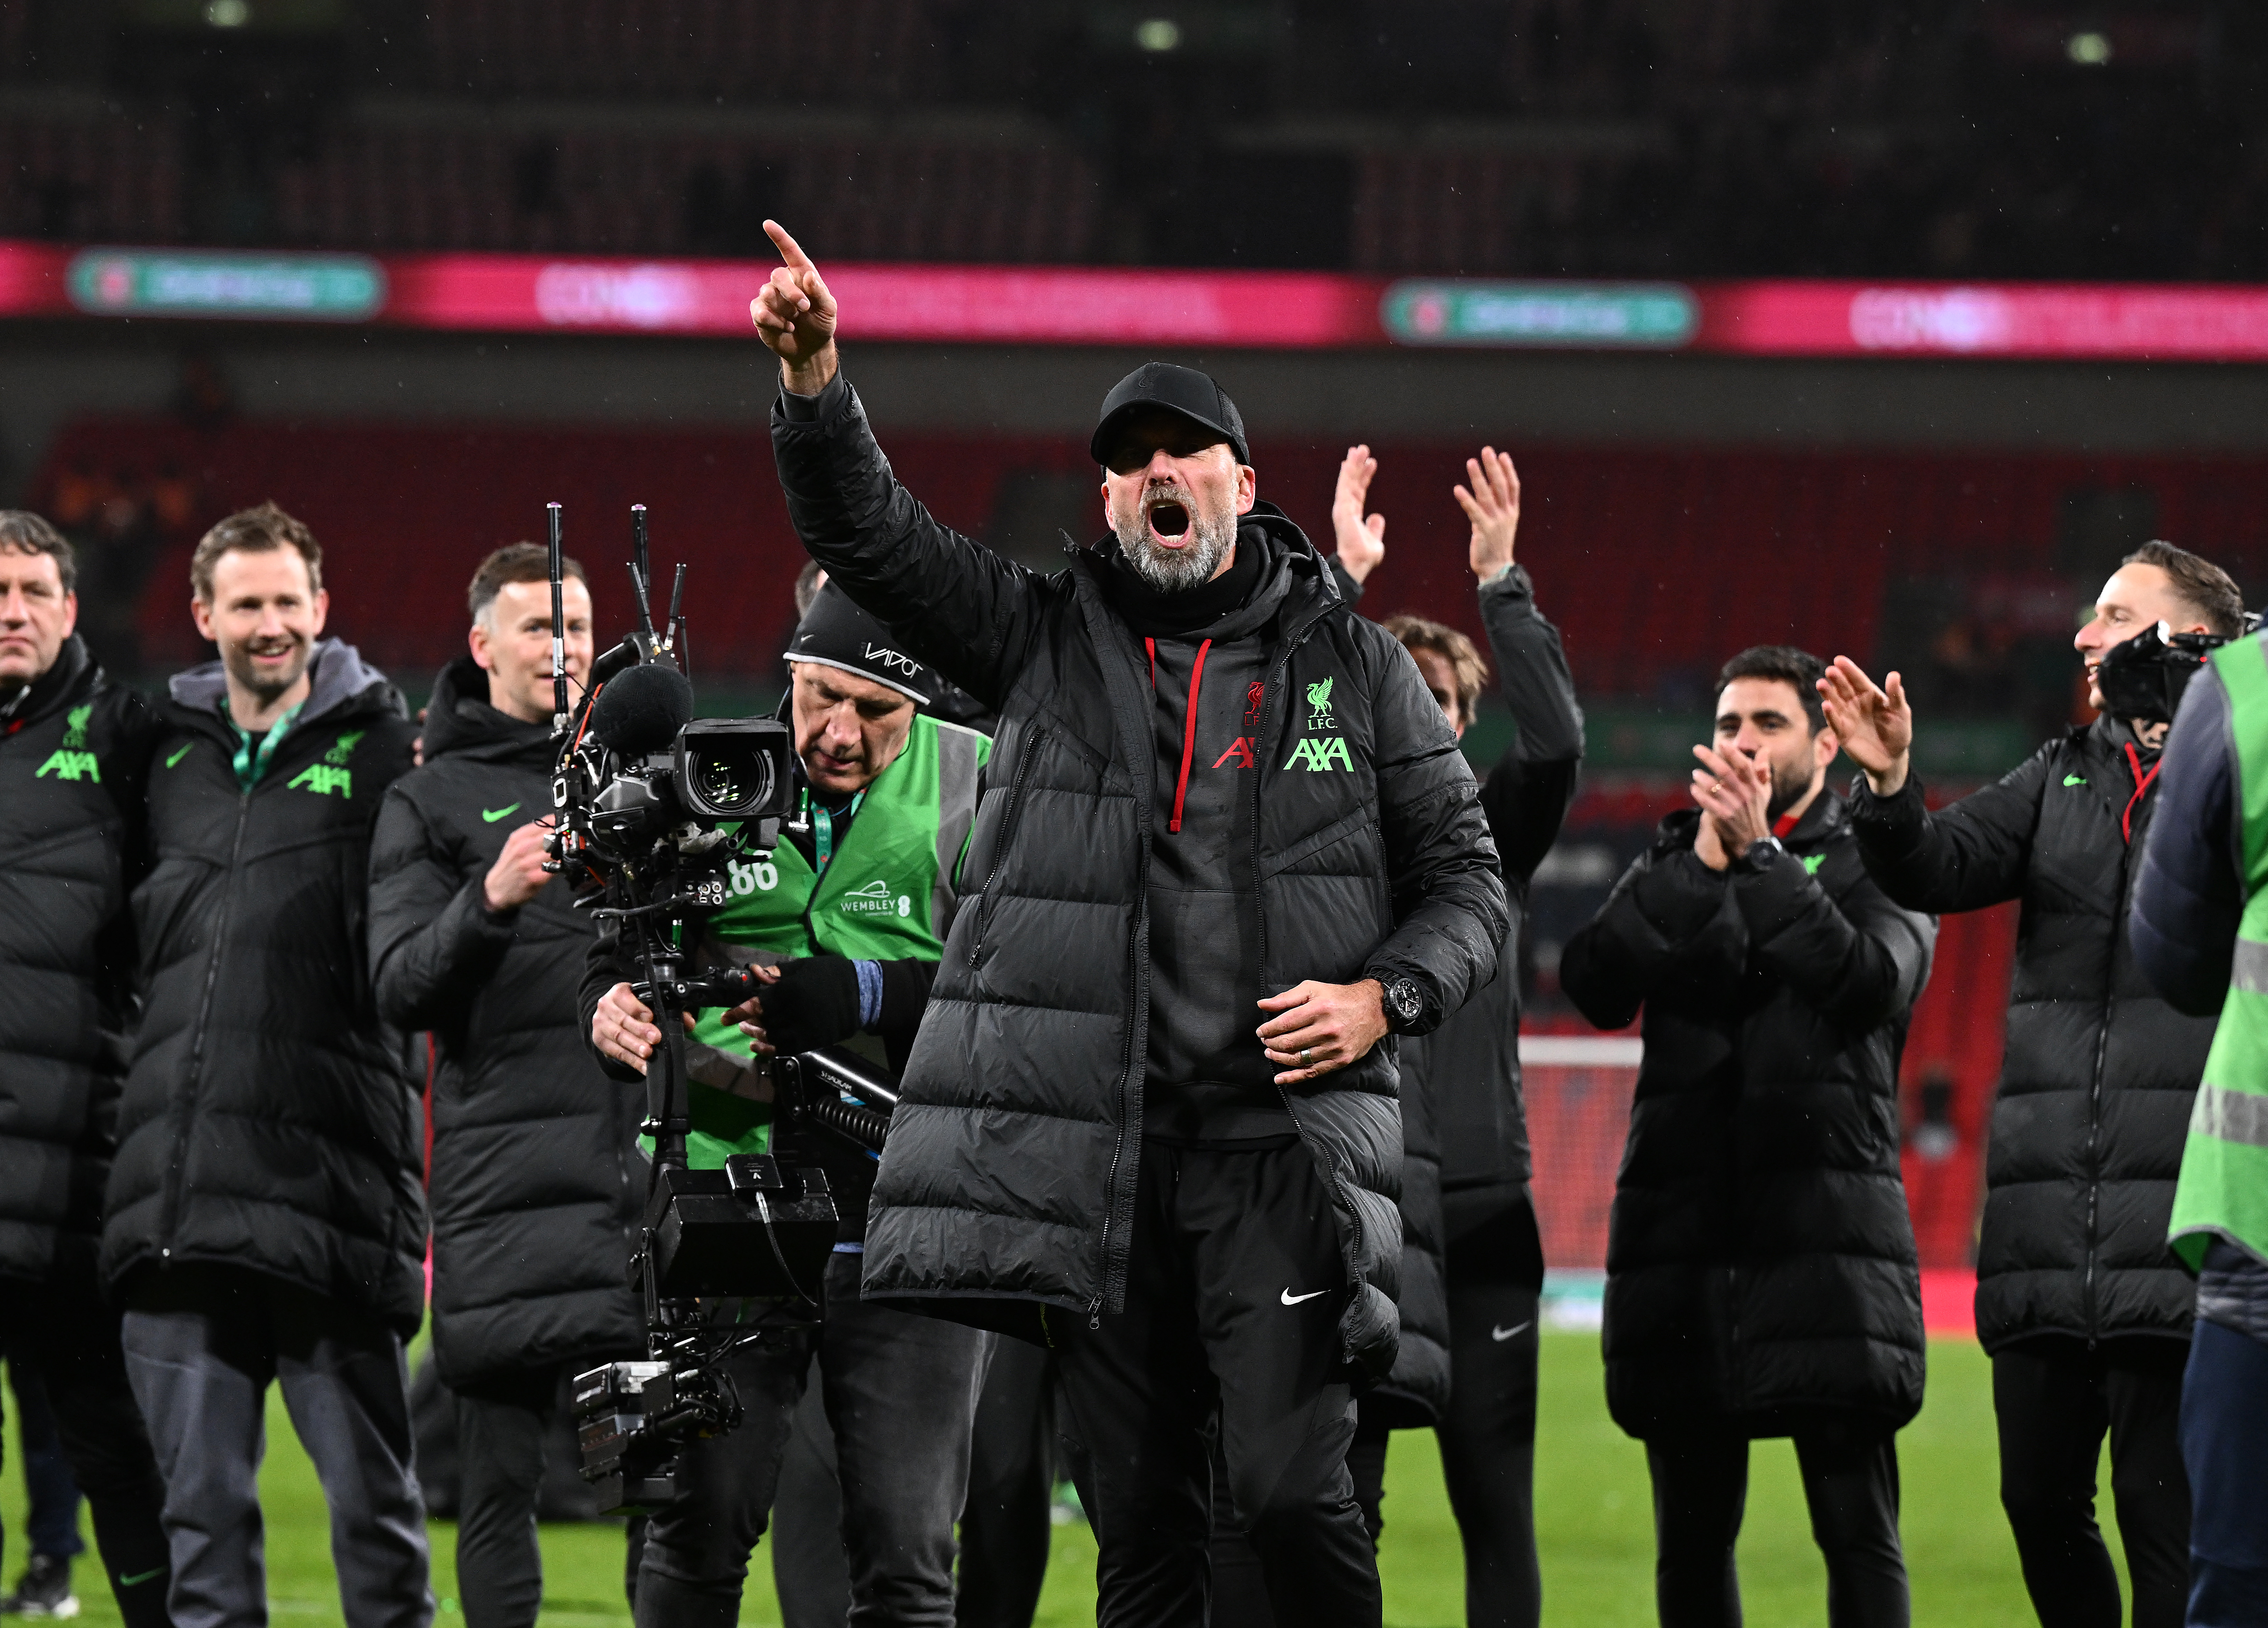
[[44, 1590]]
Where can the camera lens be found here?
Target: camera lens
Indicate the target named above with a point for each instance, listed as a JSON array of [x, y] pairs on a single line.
[[732, 780]]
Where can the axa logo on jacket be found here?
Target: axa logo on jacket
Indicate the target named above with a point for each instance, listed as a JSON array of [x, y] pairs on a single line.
[[70, 760], [331, 775]]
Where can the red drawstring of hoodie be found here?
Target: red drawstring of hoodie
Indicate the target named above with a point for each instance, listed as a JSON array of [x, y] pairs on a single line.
[[2141, 785], [1188, 721]]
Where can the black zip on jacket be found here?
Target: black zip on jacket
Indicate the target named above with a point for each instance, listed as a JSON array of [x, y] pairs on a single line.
[[1760, 1260], [1464, 1127], [536, 1186], [1008, 1185], [74, 752], [2100, 1071], [269, 1121]]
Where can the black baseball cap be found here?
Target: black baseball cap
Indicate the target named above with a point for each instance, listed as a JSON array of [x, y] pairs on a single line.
[[1182, 390], [835, 633]]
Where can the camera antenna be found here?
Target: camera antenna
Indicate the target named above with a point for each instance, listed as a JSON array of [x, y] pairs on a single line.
[[558, 624], [641, 575], [675, 640]]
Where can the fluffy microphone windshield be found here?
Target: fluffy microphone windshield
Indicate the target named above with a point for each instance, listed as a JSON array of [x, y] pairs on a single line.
[[641, 710]]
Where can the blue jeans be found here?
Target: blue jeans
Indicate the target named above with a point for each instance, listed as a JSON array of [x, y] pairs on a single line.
[[2224, 1444]]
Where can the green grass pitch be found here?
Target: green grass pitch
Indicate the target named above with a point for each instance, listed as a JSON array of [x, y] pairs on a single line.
[[1593, 1517]]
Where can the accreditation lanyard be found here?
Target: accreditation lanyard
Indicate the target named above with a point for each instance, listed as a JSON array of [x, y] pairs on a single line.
[[252, 763], [822, 828]]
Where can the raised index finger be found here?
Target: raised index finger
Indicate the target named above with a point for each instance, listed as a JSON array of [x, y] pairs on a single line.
[[791, 251]]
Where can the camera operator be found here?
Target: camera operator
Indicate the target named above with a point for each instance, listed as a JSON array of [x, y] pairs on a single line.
[[2197, 937], [1148, 1119], [2085, 1315], [74, 753], [1761, 1276], [533, 1193], [267, 1220], [1472, 1261], [849, 917]]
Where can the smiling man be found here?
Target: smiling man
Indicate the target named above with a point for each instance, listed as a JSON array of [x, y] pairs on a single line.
[[267, 1222], [2086, 1315], [1228, 848]]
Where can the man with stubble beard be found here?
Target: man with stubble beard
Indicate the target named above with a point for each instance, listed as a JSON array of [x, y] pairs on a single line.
[[1227, 848], [267, 1222]]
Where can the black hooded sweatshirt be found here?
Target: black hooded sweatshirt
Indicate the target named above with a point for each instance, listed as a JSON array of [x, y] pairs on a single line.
[[74, 752], [536, 1186], [269, 1119]]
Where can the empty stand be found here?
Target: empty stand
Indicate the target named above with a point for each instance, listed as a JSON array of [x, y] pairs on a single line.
[[101, 176]]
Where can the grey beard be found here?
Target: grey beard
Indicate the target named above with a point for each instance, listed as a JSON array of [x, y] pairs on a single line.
[[1192, 567]]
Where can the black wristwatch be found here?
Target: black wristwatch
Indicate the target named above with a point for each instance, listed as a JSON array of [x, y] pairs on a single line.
[[1759, 856], [1402, 1002]]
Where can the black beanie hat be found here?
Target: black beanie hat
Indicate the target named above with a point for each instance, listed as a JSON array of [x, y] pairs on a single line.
[[835, 633]]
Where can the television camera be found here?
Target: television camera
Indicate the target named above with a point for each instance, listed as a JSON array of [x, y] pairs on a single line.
[[651, 806], [2143, 677]]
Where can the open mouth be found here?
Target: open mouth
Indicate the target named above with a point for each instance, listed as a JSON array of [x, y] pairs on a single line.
[[1169, 519]]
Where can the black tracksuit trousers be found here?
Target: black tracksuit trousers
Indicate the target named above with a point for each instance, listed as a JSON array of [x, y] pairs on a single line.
[[73, 1337], [2054, 1398], [1850, 1468], [1234, 1288]]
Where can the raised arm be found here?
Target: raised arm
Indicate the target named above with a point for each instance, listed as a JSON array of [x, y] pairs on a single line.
[[1527, 794], [960, 606]]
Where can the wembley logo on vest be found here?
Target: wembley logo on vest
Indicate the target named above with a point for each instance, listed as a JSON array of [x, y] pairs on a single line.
[[876, 899]]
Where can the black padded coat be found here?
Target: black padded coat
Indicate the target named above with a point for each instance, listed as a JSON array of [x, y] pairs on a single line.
[[72, 758], [1008, 1184], [1760, 1261], [2100, 1071], [536, 1186], [1464, 1127], [270, 1120]]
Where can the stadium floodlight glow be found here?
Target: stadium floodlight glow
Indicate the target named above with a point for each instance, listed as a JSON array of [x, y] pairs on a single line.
[[304, 288], [2089, 48], [1157, 34], [228, 13], [1645, 316]]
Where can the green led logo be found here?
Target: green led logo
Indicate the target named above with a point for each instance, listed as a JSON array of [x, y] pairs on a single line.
[[289, 288], [1641, 316]]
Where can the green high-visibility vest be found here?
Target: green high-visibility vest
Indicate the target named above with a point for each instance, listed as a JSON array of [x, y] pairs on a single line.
[[2224, 1183], [888, 893]]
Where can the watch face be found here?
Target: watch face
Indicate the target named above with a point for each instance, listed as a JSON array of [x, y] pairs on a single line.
[[1403, 995]]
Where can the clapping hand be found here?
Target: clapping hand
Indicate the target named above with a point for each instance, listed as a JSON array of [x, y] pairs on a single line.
[[795, 316], [1874, 724], [1734, 792], [1493, 503], [1361, 539]]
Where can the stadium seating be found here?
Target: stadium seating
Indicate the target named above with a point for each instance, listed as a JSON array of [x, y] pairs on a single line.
[[91, 175]]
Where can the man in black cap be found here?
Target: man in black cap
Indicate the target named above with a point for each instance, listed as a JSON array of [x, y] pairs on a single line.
[[851, 913], [1149, 1117]]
